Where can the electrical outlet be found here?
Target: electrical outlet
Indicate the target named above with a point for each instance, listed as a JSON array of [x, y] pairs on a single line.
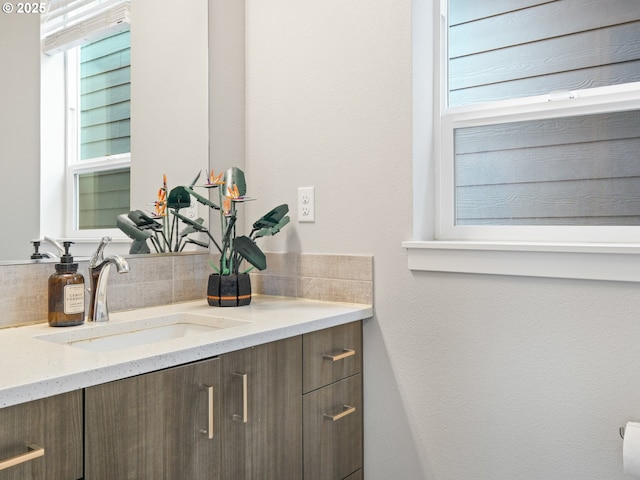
[[192, 211], [306, 205]]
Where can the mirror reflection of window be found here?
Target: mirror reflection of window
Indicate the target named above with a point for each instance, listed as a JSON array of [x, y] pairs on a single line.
[[94, 37], [105, 118]]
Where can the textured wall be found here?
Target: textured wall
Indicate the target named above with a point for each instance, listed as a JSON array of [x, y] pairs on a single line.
[[466, 376]]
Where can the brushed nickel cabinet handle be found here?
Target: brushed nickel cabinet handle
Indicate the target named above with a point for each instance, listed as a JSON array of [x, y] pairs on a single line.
[[347, 352], [209, 430], [346, 410], [35, 451], [245, 398]]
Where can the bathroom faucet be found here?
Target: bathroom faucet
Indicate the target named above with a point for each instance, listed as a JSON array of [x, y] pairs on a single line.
[[99, 268], [38, 255]]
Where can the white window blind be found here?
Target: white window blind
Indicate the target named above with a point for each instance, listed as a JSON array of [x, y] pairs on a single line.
[[94, 37], [69, 23]]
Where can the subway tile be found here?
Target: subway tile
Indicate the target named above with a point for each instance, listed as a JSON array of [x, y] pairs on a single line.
[[138, 295], [335, 290], [162, 279], [281, 264], [350, 267], [279, 285]]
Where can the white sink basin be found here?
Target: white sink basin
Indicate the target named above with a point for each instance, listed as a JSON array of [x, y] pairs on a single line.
[[111, 336]]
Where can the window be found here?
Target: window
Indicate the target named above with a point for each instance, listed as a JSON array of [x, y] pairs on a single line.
[[534, 161], [99, 162], [539, 116], [94, 39]]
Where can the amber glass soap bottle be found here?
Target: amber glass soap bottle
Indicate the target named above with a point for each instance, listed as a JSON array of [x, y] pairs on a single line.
[[66, 293]]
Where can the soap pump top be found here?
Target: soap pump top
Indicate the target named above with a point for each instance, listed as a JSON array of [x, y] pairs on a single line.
[[36, 255], [66, 264]]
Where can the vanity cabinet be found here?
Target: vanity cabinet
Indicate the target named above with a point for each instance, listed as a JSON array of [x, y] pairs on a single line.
[[42, 439], [332, 403], [237, 416], [262, 412], [160, 425], [288, 409]]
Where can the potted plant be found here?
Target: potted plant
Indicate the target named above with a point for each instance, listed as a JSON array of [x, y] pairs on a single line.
[[231, 284]]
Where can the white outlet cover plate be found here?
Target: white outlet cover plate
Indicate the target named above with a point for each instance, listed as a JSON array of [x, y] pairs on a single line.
[[306, 205]]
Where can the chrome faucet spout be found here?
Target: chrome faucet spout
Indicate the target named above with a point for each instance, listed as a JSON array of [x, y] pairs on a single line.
[[58, 246], [99, 269], [98, 255]]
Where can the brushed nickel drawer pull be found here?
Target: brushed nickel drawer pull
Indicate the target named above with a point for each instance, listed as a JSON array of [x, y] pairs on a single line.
[[347, 352], [245, 398], [210, 411], [347, 410], [35, 451]]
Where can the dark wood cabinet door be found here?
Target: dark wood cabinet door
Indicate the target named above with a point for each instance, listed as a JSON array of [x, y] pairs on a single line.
[[156, 425], [42, 439], [237, 375], [276, 434], [262, 412]]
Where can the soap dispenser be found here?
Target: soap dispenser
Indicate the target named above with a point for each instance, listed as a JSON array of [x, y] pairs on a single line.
[[66, 292]]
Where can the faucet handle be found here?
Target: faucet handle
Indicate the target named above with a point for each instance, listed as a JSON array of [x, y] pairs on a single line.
[[98, 256], [55, 243]]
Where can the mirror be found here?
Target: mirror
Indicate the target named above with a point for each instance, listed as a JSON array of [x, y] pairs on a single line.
[[169, 117]]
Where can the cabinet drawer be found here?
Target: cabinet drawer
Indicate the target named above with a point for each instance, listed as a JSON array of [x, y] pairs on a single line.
[[333, 430], [42, 439], [330, 355]]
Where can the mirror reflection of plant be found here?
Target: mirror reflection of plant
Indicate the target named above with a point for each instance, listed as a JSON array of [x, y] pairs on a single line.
[[164, 235], [161, 227]]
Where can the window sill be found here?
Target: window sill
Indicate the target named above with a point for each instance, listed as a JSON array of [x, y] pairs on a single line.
[[613, 262]]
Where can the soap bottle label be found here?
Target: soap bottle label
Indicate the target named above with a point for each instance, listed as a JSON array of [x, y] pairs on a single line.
[[73, 299]]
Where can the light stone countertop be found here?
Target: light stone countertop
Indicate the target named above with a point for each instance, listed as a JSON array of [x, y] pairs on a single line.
[[33, 367]]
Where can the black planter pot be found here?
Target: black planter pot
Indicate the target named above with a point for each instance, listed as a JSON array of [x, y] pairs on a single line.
[[229, 290]]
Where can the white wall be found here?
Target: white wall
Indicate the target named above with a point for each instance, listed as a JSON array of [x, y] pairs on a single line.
[[466, 376], [19, 133], [169, 91]]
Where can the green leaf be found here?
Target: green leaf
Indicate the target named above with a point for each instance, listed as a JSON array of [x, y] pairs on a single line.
[[179, 198], [190, 229], [272, 218], [235, 176], [247, 249], [195, 179], [201, 199], [269, 231], [196, 224]]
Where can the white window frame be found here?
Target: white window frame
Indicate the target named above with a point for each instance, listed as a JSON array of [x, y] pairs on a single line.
[[611, 253], [580, 102], [75, 166]]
